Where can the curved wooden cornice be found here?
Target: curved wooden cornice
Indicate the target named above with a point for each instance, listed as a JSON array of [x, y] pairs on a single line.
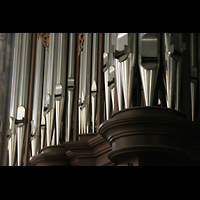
[[157, 131]]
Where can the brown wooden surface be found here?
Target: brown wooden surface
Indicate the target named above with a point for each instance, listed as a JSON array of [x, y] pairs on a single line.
[[30, 100], [149, 131], [100, 82], [77, 71]]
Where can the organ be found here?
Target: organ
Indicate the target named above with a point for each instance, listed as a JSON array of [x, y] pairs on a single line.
[[86, 83]]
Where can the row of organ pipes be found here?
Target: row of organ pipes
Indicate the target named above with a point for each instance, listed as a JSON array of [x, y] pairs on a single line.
[[54, 84]]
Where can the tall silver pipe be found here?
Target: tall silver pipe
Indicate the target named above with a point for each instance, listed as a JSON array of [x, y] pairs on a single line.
[[80, 94], [94, 79], [43, 120], [60, 81], [70, 84], [108, 60], [14, 98], [112, 85], [149, 62], [86, 97], [50, 85], [37, 97], [23, 94]]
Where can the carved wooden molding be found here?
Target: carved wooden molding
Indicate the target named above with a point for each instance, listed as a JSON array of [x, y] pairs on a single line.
[[81, 39], [45, 39]]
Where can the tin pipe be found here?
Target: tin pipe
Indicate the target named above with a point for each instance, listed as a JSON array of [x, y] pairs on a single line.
[[23, 94], [37, 97], [50, 85], [60, 81]]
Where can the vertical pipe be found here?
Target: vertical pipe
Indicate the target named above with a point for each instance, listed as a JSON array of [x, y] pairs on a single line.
[[100, 81], [14, 97], [37, 97], [70, 85], [61, 67], [51, 78], [76, 90], [23, 94], [30, 101]]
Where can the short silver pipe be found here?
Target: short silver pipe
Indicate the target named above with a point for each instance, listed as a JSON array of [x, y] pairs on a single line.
[[118, 83]]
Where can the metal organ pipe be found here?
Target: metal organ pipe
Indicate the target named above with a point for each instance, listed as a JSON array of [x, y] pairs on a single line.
[[23, 94], [60, 81], [12, 133], [37, 97]]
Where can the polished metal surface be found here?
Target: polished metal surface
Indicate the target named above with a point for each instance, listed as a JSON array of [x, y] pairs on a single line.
[[173, 52], [37, 97], [70, 85], [118, 83], [94, 79], [23, 94], [127, 56], [149, 62], [14, 97], [50, 86], [60, 81], [86, 96]]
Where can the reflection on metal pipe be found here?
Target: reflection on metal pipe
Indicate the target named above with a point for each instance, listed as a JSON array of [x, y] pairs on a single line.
[[14, 98], [43, 120], [111, 84], [70, 85], [118, 83], [80, 93], [94, 79], [87, 48], [37, 97], [173, 52], [108, 64], [125, 52], [49, 108], [23, 94], [107, 92], [60, 81], [149, 63]]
